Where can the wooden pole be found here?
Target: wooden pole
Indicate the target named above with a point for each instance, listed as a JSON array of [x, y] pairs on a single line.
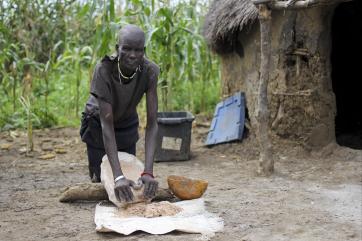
[[266, 161]]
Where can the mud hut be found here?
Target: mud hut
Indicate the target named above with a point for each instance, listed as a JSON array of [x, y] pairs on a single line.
[[314, 72]]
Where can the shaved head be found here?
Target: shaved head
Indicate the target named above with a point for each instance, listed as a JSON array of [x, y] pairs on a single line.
[[130, 48], [131, 32]]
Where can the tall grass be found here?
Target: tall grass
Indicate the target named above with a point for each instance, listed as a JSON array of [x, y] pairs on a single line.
[[58, 42]]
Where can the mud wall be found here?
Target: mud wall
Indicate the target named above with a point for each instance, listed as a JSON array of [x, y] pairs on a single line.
[[301, 100]]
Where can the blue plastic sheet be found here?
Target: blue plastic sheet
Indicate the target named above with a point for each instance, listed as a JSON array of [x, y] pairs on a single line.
[[228, 122]]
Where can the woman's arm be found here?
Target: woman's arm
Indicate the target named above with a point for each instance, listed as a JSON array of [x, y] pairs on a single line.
[[151, 184], [122, 185]]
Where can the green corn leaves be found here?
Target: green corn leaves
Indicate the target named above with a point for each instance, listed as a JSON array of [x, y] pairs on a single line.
[[60, 41]]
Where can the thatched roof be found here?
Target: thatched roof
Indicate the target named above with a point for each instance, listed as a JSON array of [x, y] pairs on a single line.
[[224, 20], [227, 18]]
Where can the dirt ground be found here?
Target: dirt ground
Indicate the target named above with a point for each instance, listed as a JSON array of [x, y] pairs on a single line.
[[311, 196]]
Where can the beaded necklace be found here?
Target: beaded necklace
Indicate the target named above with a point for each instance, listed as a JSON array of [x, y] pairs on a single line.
[[120, 74]]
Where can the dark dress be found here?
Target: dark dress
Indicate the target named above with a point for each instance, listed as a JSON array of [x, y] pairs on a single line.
[[124, 99]]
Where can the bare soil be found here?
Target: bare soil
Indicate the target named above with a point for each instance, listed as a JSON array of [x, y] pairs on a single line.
[[311, 196]]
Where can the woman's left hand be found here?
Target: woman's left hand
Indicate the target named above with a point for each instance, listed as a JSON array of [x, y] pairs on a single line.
[[150, 186]]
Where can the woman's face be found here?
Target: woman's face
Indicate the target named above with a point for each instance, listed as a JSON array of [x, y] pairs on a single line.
[[131, 51]]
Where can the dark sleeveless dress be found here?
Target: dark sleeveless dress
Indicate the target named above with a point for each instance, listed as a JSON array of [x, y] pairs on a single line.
[[124, 99]]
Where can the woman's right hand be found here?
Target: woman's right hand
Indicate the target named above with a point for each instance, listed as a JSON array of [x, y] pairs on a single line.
[[122, 190]]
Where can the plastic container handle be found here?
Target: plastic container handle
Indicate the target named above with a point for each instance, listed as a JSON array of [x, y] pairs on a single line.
[[174, 120]]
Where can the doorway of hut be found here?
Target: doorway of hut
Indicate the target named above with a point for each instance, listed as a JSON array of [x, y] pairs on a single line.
[[346, 59]]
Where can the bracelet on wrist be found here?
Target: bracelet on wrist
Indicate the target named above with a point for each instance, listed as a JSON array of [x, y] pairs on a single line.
[[119, 178], [147, 173]]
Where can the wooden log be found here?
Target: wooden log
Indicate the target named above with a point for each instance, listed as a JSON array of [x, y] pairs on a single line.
[[266, 162], [302, 4], [97, 192], [84, 191]]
